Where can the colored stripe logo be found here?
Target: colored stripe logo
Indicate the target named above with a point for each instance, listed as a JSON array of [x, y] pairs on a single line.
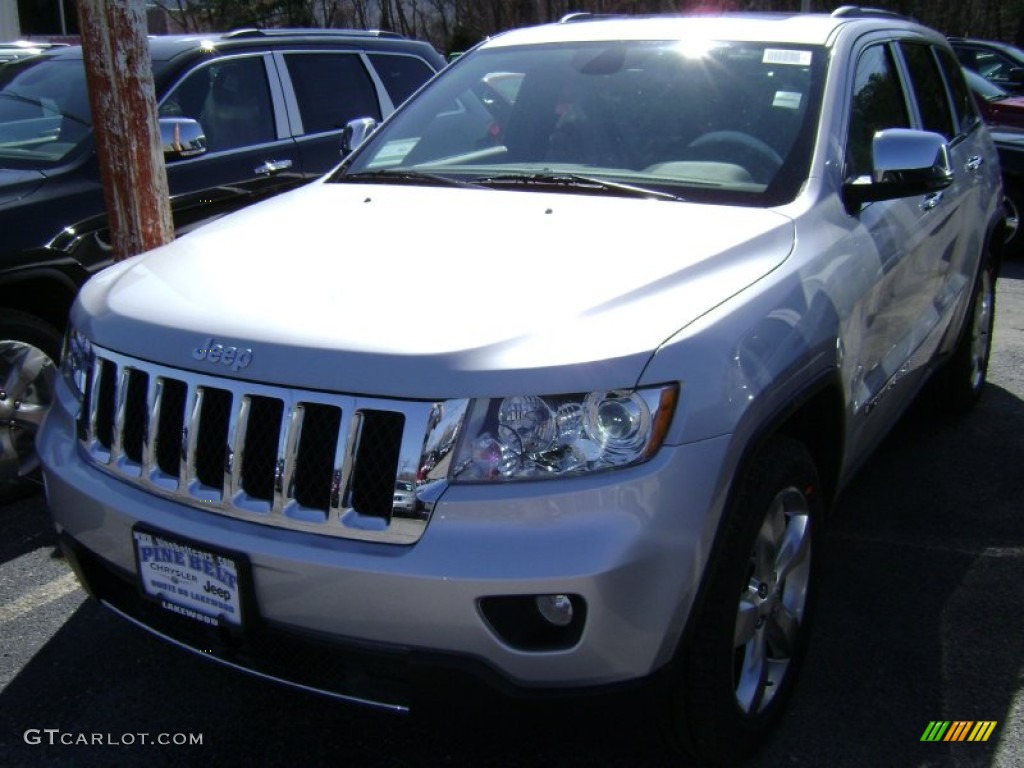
[[959, 730]]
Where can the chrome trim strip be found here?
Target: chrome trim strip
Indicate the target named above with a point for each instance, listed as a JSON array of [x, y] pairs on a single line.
[[399, 708]]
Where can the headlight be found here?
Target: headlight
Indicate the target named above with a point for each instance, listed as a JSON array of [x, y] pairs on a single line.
[[526, 437], [75, 361]]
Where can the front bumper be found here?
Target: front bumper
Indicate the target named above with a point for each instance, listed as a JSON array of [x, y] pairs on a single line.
[[629, 545]]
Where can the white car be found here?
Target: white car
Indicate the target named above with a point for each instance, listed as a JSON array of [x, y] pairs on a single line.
[[653, 314]]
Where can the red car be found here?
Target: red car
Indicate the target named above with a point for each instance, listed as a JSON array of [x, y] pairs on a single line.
[[998, 106]]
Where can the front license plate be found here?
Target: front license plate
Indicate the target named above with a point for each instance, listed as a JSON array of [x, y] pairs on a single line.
[[189, 580]]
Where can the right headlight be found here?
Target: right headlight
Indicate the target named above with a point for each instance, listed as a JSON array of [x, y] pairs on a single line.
[[75, 361], [527, 437]]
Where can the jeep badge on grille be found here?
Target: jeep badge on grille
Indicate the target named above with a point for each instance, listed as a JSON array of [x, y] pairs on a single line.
[[212, 351]]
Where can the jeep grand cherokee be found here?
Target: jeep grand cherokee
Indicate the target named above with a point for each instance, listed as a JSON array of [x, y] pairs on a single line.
[[628, 301]]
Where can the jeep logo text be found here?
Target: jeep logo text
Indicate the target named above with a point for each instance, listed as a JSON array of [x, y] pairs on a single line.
[[233, 357]]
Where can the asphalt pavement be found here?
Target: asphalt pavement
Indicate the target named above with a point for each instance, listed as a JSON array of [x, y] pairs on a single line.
[[918, 624]]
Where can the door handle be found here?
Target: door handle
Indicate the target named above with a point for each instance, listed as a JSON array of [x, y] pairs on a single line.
[[930, 201], [974, 163], [270, 167]]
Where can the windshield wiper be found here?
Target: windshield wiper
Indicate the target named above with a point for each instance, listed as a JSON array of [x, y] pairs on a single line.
[[400, 177], [572, 181]]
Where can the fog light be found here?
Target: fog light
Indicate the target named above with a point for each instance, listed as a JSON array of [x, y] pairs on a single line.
[[557, 609]]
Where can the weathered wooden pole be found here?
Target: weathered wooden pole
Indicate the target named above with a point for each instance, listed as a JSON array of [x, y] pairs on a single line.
[[119, 77]]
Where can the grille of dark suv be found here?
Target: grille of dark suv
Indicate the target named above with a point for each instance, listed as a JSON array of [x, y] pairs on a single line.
[[297, 459]]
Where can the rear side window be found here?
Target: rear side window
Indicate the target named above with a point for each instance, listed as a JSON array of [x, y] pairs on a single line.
[[331, 89], [930, 89], [963, 103], [401, 75], [878, 103]]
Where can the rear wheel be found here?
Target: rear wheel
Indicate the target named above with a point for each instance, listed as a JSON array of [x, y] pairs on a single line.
[[29, 351], [750, 631], [958, 386]]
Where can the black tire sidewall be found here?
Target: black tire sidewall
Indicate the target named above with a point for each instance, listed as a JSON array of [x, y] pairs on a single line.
[[702, 700]]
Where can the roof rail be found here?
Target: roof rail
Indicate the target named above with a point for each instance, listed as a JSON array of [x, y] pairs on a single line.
[[859, 11], [308, 32], [569, 18]]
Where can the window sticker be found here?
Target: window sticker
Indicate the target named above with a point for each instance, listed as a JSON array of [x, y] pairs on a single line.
[[779, 56], [787, 100]]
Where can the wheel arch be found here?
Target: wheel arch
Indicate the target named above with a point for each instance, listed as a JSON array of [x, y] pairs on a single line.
[[45, 294]]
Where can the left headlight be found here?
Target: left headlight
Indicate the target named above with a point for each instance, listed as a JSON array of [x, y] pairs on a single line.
[[528, 437], [75, 361]]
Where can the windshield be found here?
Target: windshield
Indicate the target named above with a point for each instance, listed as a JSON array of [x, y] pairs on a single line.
[[734, 123], [44, 113]]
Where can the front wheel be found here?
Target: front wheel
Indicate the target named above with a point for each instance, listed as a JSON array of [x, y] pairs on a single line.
[[29, 351], [750, 630]]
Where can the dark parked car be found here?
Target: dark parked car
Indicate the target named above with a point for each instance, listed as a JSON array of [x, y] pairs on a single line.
[[1001, 63], [998, 107], [1010, 145], [245, 115], [21, 49]]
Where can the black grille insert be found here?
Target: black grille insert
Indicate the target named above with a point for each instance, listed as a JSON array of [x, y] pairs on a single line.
[[376, 462], [133, 435], [314, 466], [171, 426], [212, 442], [259, 451]]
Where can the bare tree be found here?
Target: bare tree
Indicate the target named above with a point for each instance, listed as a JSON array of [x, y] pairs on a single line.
[[458, 24]]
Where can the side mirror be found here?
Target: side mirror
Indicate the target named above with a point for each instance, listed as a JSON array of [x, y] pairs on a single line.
[[181, 137], [906, 163], [355, 133]]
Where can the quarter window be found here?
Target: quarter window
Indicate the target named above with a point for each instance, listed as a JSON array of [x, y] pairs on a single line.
[[401, 75]]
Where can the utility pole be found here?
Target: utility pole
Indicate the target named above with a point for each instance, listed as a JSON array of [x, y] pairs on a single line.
[[122, 96]]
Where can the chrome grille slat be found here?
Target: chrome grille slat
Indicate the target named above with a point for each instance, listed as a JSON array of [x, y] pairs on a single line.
[[154, 388], [92, 420], [188, 481], [120, 401], [237, 431], [284, 466], [288, 455]]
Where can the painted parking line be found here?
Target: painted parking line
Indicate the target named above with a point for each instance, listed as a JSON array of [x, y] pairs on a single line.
[[42, 595]]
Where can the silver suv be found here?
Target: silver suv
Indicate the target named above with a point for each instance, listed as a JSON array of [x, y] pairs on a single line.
[[627, 301]]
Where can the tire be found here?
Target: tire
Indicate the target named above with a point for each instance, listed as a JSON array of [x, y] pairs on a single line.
[[957, 387], [751, 626], [29, 353]]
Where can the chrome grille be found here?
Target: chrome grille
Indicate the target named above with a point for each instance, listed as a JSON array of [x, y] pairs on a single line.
[[304, 460]]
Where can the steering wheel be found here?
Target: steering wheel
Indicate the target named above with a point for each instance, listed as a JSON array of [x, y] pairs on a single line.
[[740, 148]]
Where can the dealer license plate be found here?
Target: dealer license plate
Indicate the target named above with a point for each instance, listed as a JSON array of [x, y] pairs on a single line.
[[189, 580]]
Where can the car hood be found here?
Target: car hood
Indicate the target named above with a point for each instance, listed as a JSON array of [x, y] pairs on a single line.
[[427, 292], [16, 184]]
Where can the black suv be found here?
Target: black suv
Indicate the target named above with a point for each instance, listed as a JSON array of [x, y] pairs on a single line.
[[1001, 63], [243, 115]]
